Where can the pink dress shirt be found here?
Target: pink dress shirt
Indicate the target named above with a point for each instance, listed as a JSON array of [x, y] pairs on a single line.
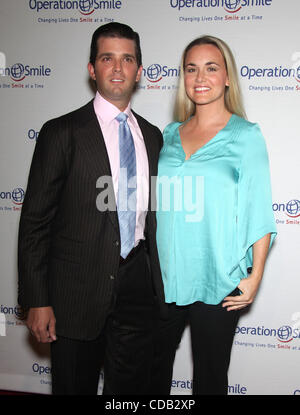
[[106, 114]]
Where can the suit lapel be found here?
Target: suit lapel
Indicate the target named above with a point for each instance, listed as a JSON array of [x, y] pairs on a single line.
[[91, 142], [94, 147]]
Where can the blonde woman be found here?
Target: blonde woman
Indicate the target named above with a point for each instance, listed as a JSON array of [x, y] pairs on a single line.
[[212, 262]]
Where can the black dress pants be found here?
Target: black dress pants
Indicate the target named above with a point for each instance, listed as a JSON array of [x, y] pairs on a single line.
[[212, 331], [125, 345]]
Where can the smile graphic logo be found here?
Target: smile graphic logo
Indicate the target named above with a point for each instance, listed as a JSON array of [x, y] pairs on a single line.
[[17, 196], [297, 74], [86, 7], [293, 208], [232, 6], [17, 72], [284, 334], [153, 72]]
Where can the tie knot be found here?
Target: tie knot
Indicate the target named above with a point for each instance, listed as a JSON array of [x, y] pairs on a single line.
[[121, 117]]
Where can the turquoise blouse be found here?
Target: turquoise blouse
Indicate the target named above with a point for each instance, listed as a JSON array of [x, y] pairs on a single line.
[[211, 209]]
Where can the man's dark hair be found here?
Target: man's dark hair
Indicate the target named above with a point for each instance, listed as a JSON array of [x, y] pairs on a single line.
[[118, 30]]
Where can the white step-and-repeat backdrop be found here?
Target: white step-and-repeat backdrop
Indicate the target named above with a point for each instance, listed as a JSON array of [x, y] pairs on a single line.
[[44, 50]]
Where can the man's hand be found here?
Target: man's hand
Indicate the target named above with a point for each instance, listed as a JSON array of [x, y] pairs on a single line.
[[41, 323]]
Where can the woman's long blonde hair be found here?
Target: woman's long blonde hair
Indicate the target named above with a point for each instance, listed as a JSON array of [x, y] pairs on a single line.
[[185, 108]]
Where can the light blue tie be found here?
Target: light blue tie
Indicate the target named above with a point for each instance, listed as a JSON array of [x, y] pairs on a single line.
[[126, 187]]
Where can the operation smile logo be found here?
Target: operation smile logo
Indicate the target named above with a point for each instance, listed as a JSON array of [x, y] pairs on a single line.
[[269, 72], [16, 197], [159, 77], [156, 72], [85, 7], [290, 209], [233, 6], [284, 334], [293, 208], [230, 6], [280, 73], [297, 74], [9, 317], [18, 72], [8, 310], [153, 73]]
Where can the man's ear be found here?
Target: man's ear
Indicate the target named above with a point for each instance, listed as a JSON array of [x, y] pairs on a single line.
[[91, 70], [139, 74]]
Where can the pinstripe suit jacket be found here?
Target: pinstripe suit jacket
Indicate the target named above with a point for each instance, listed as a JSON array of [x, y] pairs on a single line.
[[69, 250]]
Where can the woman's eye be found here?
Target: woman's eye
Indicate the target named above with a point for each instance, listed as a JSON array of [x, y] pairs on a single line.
[[190, 70]]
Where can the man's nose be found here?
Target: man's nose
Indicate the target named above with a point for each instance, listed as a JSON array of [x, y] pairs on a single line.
[[117, 65]]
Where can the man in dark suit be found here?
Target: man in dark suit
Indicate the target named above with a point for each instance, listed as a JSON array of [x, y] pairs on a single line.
[[83, 288]]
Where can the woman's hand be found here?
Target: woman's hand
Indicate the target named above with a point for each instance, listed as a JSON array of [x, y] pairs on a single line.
[[248, 287]]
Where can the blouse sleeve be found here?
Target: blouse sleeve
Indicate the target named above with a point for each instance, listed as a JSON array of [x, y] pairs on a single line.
[[255, 216], [168, 132]]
